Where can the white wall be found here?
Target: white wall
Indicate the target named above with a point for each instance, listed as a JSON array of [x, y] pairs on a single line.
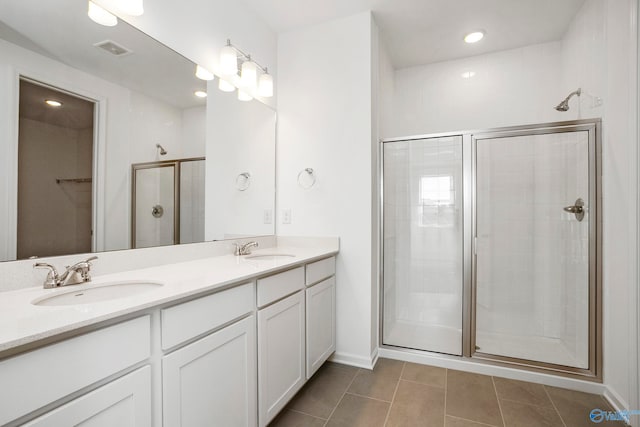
[[513, 87], [200, 28], [325, 123]]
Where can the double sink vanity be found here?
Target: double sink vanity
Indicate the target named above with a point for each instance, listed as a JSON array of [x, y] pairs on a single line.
[[220, 341]]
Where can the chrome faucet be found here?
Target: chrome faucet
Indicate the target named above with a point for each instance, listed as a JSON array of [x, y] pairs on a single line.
[[244, 249], [80, 272]]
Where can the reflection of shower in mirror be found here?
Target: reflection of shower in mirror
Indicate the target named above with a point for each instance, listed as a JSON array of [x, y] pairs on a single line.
[[564, 105], [163, 152]]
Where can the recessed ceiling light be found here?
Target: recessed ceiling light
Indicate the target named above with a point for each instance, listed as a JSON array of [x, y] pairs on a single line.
[[101, 16], [468, 74], [474, 37], [53, 103], [200, 94]]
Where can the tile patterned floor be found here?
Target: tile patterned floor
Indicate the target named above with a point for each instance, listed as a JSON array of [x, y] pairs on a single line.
[[398, 394]]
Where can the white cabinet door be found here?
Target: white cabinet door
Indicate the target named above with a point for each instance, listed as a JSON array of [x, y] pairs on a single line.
[[212, 382], [281, 362], [321, 324], [125, 402]]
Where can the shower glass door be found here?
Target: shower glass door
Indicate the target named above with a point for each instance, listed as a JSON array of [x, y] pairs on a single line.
[[534, 228], [423, 244]]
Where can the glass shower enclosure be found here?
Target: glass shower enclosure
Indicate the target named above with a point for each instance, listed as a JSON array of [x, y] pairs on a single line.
[[491, 246], [167, 202]]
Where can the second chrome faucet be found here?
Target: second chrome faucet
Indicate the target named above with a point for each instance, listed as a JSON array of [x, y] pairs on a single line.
[[244, 249]]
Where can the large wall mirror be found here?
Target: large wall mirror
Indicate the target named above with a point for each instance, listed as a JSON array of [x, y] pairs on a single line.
[[105, 144]]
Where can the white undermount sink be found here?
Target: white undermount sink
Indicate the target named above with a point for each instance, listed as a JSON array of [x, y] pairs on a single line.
[[96, 293], [269, 257]]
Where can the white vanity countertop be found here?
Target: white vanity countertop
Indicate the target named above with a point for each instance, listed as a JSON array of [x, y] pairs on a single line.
[[23, 323]]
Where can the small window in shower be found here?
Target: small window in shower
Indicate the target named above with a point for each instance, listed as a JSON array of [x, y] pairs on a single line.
[[437, 201]]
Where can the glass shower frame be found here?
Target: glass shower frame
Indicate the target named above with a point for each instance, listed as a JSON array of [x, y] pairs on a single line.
[[175, 164], [469, 141]]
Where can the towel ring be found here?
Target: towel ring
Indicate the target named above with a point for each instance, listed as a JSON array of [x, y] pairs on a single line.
[[306, 178], [243, 181]]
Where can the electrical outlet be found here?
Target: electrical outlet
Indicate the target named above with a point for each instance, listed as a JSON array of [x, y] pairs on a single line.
[[286, 216], [268, 216]]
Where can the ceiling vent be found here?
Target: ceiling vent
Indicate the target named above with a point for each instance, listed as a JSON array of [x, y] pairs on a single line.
[[113, 48]]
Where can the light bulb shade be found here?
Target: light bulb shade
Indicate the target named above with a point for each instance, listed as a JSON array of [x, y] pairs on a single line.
[[203, 74], [228, 60], [249, 75], [225, 86], [130, 7], [265, 86], [101, 16], [243, 96]]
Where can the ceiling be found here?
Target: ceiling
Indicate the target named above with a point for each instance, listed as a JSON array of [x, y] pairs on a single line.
[[417, 32], [75, 113], [61, 30]]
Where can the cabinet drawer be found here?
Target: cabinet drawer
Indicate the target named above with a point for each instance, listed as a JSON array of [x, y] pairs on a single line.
[[37, 378], [280, 285], [193, 318], [320, 270], [123, 402]]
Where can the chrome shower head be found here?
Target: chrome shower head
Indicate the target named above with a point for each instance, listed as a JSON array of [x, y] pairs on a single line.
[[162, 150], [564, 105]]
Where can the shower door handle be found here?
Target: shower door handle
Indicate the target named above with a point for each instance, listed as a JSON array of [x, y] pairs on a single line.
[[577, 209]]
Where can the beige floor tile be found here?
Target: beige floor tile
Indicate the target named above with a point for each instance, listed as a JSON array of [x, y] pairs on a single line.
[[324, 390], [356, 411], [472, 397], [417, 405], [288, 418], [459, 422], [518, 414], [574, 407], [521, 391], [380, 383], [431, 375]]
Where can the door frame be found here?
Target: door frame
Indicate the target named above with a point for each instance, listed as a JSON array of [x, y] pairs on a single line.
[[592, 127]]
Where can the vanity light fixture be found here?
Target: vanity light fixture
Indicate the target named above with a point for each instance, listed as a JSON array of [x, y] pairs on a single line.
[[200, 94], [228, 59], [468, 74], [53, 103], [244, 96], [265, 85], [474, 36], [101, 16], [249, 74], [248, 80], [225, 86], [203, 74]]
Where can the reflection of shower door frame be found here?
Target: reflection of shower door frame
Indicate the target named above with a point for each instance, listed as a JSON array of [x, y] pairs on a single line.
[[176, 193], [592, 127], [469, 138]]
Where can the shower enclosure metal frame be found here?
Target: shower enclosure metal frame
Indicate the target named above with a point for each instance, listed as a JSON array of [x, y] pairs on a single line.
[[469, 142], [176, 192]]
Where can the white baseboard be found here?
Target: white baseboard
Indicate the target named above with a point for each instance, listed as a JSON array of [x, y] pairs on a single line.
[[355, 360], [615, 400], [435, 359]]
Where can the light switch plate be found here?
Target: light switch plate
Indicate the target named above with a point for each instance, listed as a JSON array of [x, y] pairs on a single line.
[[286, 216]]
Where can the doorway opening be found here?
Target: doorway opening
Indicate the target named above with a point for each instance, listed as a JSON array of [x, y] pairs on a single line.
[[55, 171]]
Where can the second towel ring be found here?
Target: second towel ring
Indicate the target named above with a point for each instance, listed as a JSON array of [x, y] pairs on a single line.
[[306, 178]]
